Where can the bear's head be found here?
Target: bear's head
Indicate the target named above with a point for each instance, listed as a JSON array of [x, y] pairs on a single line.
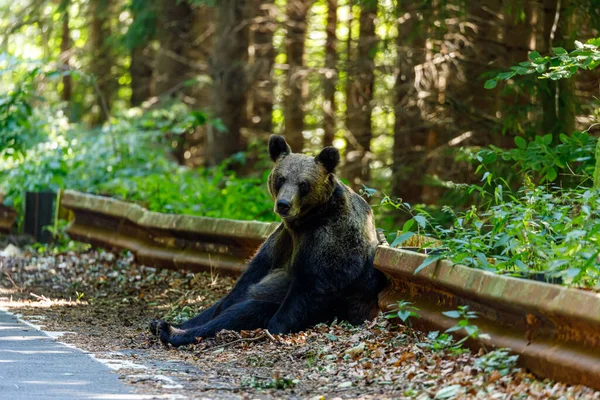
[[299, 182]]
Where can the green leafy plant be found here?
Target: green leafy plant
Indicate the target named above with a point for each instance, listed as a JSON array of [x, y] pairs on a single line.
[[277, 383], [403, 310], [19, 122], [538, 232], [464, 316], [131, 160], [437, 341], [561, 65], [499, 360], [573, 157]]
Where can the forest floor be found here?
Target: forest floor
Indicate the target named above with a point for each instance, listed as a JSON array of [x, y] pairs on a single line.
[[105, 301]]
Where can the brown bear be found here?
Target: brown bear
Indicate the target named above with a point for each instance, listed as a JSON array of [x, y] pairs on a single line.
[[316, 267]]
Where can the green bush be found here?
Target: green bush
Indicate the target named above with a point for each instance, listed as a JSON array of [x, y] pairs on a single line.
[[549, 227], [130, 159]]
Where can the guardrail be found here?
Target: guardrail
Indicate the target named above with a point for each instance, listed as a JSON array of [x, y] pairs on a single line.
[[554, 329], [164, 240]]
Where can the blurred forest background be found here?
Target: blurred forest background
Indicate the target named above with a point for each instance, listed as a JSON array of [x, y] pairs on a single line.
[[170, 102]]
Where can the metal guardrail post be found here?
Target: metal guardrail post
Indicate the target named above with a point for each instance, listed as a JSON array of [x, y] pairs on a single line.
[[39, 209]]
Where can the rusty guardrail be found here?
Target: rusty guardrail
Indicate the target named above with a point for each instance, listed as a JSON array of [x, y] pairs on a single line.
[[164, 240], [555, 329]]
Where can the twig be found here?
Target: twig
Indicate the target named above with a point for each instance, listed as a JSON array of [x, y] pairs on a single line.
[[237, 341], [268, 334], [592, 126], [42, 297], [265, 334], [9, 277]]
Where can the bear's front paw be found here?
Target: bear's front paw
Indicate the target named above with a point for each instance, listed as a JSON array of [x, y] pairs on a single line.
[[163, 331], [153, 326]]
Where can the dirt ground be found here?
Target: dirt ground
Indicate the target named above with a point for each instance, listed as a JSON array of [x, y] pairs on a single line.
[[105, 302]]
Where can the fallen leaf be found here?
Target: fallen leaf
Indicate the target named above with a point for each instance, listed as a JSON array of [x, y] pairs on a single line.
[[494, 376], [406, 356], [448, 392], [356, 350]]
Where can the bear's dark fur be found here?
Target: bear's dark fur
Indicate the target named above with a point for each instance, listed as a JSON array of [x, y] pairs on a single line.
[[317, 265]]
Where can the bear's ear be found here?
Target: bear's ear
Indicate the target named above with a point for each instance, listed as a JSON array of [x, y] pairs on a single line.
[[278, 147], [329, 157]]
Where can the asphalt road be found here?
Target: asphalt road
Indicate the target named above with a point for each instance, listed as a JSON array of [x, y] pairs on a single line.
[[34, 366]]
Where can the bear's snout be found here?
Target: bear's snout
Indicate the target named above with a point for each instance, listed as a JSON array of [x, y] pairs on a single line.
[[283, 207]]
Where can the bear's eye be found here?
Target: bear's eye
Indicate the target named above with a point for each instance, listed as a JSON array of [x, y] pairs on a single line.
[[279, 181], [304, 188]]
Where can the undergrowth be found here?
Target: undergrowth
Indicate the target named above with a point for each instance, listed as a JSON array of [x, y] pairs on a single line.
[[130, 159]]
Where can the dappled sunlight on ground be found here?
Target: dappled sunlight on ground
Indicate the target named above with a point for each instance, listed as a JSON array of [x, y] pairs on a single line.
[[45, 303]]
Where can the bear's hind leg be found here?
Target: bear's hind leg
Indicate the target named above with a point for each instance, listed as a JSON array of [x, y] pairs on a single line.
[[247, 315]]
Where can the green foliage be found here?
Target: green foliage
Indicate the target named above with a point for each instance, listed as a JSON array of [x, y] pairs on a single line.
[[549, 228], [277, 383], [143, 27], [445, 341], [403, 310], [19, 127], [61, 242], [562, 65], [464, 316], [441, 342], [129, 159], [543, 161], [210, 193], [535, 230], [498, 360]]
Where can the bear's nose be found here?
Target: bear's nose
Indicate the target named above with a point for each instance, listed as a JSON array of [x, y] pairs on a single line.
[[283, 207]]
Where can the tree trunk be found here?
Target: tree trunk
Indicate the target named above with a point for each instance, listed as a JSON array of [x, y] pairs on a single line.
[[360, 94], [199, 96], [141, 67], [597, 169], [141, 70], [199, 50], [519, 110], [485, 17], [172, 65], [260, 104], [65, 56], [103, 59], [330, 74], [434, 102], [408, 167], [557, 96], [296, 83], [229, 64]]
